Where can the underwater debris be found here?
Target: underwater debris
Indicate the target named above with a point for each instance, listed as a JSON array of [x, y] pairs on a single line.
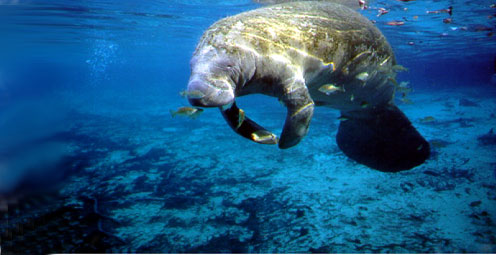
[[467, 102], [487, 139]]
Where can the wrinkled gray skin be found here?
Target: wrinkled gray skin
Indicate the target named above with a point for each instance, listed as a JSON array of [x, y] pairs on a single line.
[[289, 51], [353, 4]]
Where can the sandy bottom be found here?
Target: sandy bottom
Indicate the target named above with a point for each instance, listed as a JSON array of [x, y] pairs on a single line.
[[159, 184]]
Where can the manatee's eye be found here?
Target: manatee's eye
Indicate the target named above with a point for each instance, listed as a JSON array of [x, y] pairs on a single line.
[[225, 63]]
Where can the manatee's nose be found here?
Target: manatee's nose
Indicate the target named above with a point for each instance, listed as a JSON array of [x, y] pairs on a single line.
[[202, 94], [197, 92]]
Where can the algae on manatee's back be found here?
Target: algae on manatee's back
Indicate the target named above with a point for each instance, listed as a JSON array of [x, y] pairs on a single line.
[[354, 4]]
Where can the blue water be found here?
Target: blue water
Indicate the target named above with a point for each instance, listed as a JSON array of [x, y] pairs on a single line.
[[92, 161]]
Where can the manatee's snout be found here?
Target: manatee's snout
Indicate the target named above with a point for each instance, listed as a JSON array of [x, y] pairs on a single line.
[[202, 93]]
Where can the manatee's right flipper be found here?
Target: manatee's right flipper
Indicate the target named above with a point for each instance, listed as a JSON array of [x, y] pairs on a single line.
[[383, 139], [246, 127]]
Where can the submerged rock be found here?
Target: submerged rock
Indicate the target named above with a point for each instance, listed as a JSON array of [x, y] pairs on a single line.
[[58, 228]]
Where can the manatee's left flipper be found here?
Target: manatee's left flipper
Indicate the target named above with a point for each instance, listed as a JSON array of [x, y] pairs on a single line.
[[300, 111], [246, 127], [382, 138]]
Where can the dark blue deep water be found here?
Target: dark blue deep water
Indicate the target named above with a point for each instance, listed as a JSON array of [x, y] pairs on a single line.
[[91, 159]]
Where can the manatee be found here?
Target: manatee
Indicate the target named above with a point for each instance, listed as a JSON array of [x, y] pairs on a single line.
[[289, 51]]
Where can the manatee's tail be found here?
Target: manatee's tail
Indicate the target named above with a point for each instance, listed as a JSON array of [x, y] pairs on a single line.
[[383, 139]]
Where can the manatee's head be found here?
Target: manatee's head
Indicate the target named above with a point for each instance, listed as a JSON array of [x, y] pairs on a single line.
[[212, 81]]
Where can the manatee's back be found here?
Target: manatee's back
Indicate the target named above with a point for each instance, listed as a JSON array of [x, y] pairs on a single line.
[[353, 4], [320, 30], [312, 35]]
